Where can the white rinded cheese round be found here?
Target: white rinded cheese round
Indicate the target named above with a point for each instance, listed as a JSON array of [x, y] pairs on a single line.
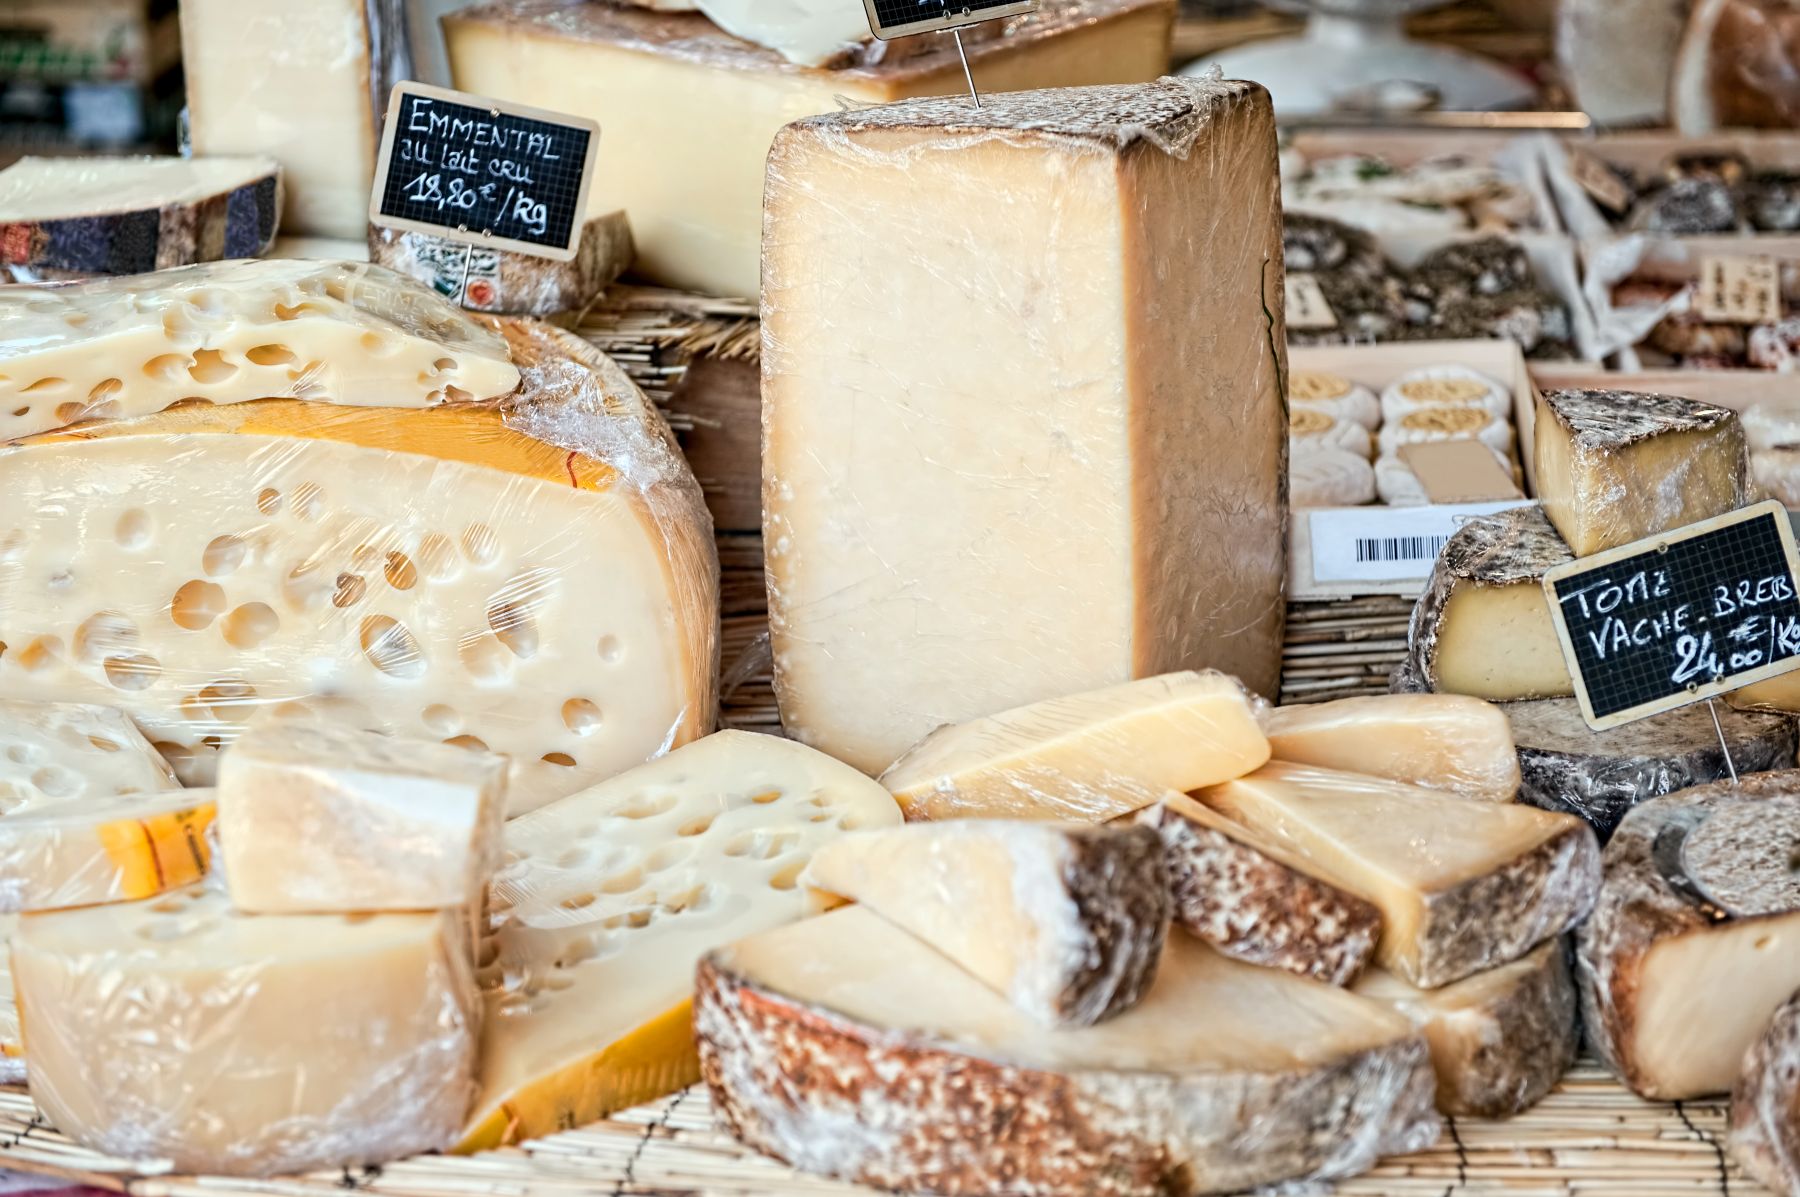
[[1329, 478], [1336, 396], [1445, 386], [1777, 473], [1310, 428], [1771, 422], [1447, 424]]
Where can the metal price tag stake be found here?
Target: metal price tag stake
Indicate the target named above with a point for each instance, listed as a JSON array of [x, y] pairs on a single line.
[[889, 19]]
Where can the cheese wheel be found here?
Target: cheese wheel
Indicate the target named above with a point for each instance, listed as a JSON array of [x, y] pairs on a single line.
[[1309, 428], [1335, 395], [1445, 386], [1329, 478], [1447, 424]]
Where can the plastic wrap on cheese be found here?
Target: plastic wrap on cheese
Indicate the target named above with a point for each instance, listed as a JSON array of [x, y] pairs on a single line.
[[536, 577], [12, 1043], [506, 281], [57, 854]]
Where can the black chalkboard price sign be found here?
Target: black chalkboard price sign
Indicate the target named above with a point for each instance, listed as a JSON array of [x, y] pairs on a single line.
[[1679, 617], [902, 18], [483, 171]]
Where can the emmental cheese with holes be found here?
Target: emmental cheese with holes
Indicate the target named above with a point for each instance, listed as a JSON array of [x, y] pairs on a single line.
[[1042, 474], [537, 578], [611, 896], [1440, 741], [846, 1047], [57, 751], [229, 332], [1066, 921]]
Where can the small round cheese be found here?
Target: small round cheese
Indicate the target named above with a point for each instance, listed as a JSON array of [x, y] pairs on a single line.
[[1329, 478], [1336, 396], [1771, 422], [1445, 386], [1447, 424], [1309, 428], [1777, 472]]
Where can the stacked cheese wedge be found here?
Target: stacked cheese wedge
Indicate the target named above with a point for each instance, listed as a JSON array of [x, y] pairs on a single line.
[[1007, 961]]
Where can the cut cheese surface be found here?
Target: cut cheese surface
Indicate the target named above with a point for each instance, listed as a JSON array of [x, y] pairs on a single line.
[[1462, 886], [54, 752], [610, 896], [1067, 922], [1087, 757], [84, 851], [689, 110], [1223, 1078], [1069, 491], [437, 574], [1440, 741], [234, 331], [244, 1044], [315, 817], [1780, 693]]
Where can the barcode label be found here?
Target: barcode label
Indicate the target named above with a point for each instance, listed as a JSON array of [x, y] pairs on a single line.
[[1387, 544], [1399, 548]]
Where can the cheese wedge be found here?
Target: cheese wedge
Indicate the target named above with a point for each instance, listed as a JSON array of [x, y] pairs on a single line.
[[1500, 1040], [315, 817], [501, 280], [243, 1044], [465, 573], [52, 752], [229, 332], [1067, 922], [1695, 940], [1440, 741], [1765, 1105], [1088, 757], [1462, 886], [79, 852], [1780, 693], [1617, 466], [1225, 1077], [609, 898], [1250, 897]]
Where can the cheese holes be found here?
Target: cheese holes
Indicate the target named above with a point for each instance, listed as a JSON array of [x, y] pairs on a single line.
[[213, 303], [484, 657], [168, 367], [761, 845], [579, 901], [765, 797], [12, 545], [106, 388], [787, 876], [308, 500], [229, 701], [400, 572], [179, 756], [514, 627], [699, 825], [53, 781], [196, 605], [472, 743], [390, 647], [250, 625], [572, 857], [45, 386], [437, 557], [380, 345], [440, 720], [561, 760], [104, 634], [284, 312], [102, 744], [210, 368], [667, 857], [133, 529], [610, 650], [268, 500], [137, 671], [444, 365], [622, 883], [349, 590], [480, 545], [269, 355], [695, 898], [74, 412], [581, 716], [646, 806], [223, 555], [21, 412], [40, 652]]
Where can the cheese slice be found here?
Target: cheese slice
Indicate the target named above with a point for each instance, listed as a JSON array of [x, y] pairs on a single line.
[[55, 752], [234, 331], [1067, 922], [83, 851], [1765, 1105], [1483, 626], [1617, 466], [243, 1044], [1087, 757], [1462, 886], [608, 899], [1225, 1077], [1068, 490], [1440, 741], [1251, 898], [503, 280], [1695, 940], [689, 110], [442, 574], [68, 217], [318, 818], [1500, 1040]]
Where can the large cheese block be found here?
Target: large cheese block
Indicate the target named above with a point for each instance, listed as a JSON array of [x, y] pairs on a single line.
[[1780, 693], [507, 281], [1070, 488], [58, 751], [1483, 626], [311, 96], [1066, 921], [248, 1044], [1617, 466], [315, 817], [1765, 1104], [535, 578], [1462, 886], [1567, 766], [611, 896], [1441, 741], [1695, 940], [234, 331], [1250, 897], [1085, 757], [1500, 1040], [66, 217], [83, 851], [1226, 1077], [688, 111]]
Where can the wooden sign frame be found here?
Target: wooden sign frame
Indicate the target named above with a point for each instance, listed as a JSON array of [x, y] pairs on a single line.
[[946, 19]]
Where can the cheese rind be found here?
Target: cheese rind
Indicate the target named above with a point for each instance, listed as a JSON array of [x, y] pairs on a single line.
[[1500, 1040], [1067, 922], [1462, 886], [1039, 511], [1241, 893], [1765, 1105], [229, 332], [504, 280], [315, 818], [608, 899], [1225, 1077], [1086, 757], [55, 752], [1440, 741], [12, 1041], [1617, 466], [103, 849], [248, 1045]]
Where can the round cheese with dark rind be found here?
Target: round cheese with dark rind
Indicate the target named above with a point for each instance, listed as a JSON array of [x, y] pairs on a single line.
[[1765, 1106]]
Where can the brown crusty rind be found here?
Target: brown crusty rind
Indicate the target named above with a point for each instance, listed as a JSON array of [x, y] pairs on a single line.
[[883, 1107], [1118, 881], [1764, 1133], [1256, 909], [1529, 1043]]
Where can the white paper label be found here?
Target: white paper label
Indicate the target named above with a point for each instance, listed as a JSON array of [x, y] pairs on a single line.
[[1739, 290], [1306, 304], [1387, 544]]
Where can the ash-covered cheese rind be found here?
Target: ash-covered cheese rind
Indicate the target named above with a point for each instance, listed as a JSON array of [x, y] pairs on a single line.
[[1617, 466], [1233, 890], [1486, 591], [1566, 766], [1764, 1131], [1680, 973], [847, 1048], [506, 281]]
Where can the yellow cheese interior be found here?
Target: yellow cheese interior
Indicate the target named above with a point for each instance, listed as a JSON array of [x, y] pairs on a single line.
[[1440, 741], [1601, 499], [1776, 694], [1477, 621]]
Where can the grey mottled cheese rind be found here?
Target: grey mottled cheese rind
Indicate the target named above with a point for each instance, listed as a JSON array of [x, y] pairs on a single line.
[[1125, 921], [1565, 765], [1764, 1133], [1643, 906], [518, 284], [1252, 907], [1604, 420]]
